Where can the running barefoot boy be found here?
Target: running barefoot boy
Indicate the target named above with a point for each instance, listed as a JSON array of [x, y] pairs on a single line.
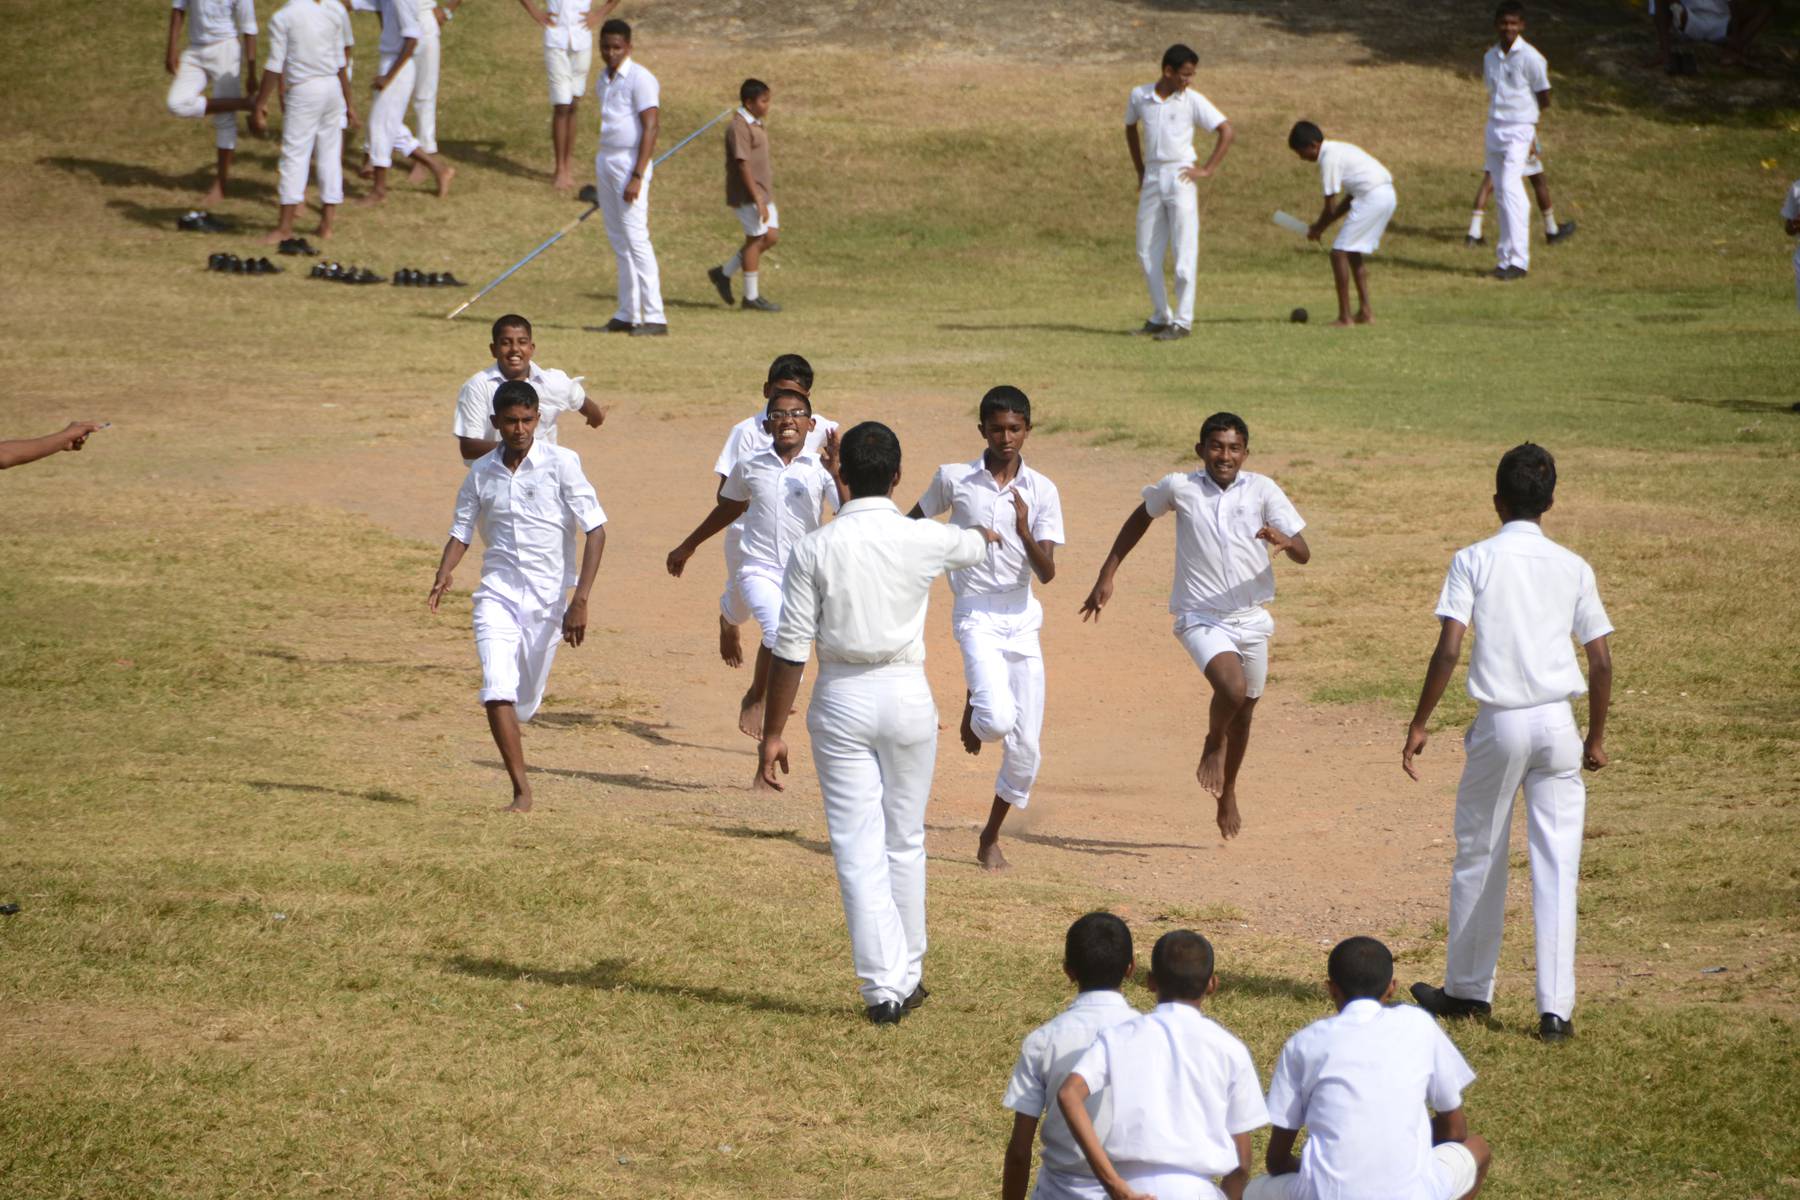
[[514, 352], [1368, 201], [779, 493], [1223, 577], [997, 618]]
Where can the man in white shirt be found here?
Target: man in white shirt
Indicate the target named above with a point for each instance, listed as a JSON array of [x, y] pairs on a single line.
[[997, 618], [397, 75], [1518, 85], [629, 120], [1168, 203], [1225, 516], [1790, 224], [524, 498], [1185, 1097], [568, 58], [220, 56], [514, 350], [858, 588], [307, 64], [1525, 596], [1359, 1082], [1097, 959], [1368, 203]]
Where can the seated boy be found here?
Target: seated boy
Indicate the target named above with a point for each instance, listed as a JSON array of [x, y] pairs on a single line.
[[512, 349], [1185, 1096], [1360, 1082], [1097, 960]]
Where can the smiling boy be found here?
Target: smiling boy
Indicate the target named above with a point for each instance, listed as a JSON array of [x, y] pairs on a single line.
[[513, 349]]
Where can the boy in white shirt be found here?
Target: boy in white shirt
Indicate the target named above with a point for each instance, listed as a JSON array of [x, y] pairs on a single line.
[[1524, 595], [398, 74], [526, 498], [1540, 190], [220, 55], [568, 59], [630, 119], [1168, 204], [779, 495], [1790, 224], [513, 349], [1185, 1097], [1224, 518], [1097, 959], [996, 617], [307, 64], [1518, 85], [1359, 1082], [1368, 203]]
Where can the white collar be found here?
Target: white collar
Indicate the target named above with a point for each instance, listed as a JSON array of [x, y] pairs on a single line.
[[1207, 476], [745, 113], [624, 67], [809, 457], [981, 468], [1360, 1011], [493, 460], [1522, 525], [868, 504], [532, 371], [1100, 998]]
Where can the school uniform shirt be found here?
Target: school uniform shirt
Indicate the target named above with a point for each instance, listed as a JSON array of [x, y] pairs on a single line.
[[622, 98], [974, 500], [210, 21], [1514, 78], [524, 518], [1045, 1060], [1168, 125], [749, 436], [1182, 1088], [341, 15], [1220, 566], [1347, 168], [747, 141], [1359, 1082], [399, 21], [859, 586], [785, 502], [306, 42], [1524, 596], [557, 393], [568, 26]]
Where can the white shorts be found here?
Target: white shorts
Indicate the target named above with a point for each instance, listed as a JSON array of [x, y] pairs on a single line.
[[759, 591], [1534, 165], [1245, 633], [752, 221], [517, 642], [1701, 21], [1366, 221], [1452, 1169], [568, 71]]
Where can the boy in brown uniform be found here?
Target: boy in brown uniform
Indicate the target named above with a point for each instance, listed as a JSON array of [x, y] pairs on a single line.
[[749, 191]]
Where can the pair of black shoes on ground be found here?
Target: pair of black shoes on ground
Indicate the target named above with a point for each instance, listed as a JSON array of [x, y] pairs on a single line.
[[407, 277], [1439, 1003], [338, 273], [891, 1012], [642, 329], [297, 245], [196, 221], [231, 264], [722, 284]]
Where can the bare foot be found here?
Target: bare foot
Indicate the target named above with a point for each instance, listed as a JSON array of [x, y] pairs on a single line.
[[214, 195], [1340, 323], [324, 231], [418, 173], [1211, 772], [563, 183], [444, 182], [989, 856], [275, 238], [1363, 318], [1229, 821], [970, 742], [521, 804], [364, 170], [750, 719], [731, 644], [372, 198]]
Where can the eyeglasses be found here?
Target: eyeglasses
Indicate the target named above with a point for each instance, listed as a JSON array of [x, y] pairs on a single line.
[[794, 416]]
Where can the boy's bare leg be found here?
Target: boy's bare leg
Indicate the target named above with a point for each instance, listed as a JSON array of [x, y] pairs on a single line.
[[284, 226], [1340, 275], [1484, 192], [418, 172], [503, 720], [378, 192], [1226, 674], [752, 252], [750, 712], [440, 170], [327, 215], [987, 852], [1237, 741], [970, 742], [731, 643], [1540, 188], [216, 193], [1359, 269], [562, 139]]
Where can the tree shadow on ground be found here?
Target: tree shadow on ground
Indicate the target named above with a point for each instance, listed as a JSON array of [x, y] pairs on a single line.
[[1037, 327], [486, 155], [1270, 987], [373, 795], [616, 974], [1081, 845], [790, 836]]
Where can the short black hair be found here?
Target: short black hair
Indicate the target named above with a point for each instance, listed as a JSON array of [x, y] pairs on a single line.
[[1304, 134], [509, 321], [622, 28], [1097, 952], [1509, 8], [515, 393], [1361, 967], [1221, 421], [791, 366], [869, 458], [1182, 963], [1179, 56], [1526, 479], [750, 89], [1005, 398]]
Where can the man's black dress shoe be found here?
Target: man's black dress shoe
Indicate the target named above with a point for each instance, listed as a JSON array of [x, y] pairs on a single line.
[[1552, 1029], [918, 997], [886, 1013], [1439, 1003]]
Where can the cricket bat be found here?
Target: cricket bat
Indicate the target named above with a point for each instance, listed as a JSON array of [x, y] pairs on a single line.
[[1291, 223]]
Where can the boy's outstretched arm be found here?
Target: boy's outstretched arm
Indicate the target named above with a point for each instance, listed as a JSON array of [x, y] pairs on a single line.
[[23, 450], [1599, 658], [1072, 1099], [723, 514], [575, 616], [1279, 1158], [1295, 547], [1130, 534], [1015, 1176], [453, 552], [1437, 678]]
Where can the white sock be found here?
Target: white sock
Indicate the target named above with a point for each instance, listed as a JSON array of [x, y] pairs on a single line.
[[1475, 223], [1549, 222], [750, 285], [733, 266]]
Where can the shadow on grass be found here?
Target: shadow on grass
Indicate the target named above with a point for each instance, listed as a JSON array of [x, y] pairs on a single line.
[[126, 175], [374, 795], [1466, 271], [1080, 845], [615, 974], [1270, 987], [1744, 406], [790, 836], [637, 780], [668, 302], [486, 155], [1038, 327]]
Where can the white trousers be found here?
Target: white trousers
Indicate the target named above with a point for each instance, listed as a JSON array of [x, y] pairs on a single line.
[[388, 134], [312, 130], [874, 742], [429, 54], [1539, 748], [1453, 1176], [1366, 221], [517, 641], [759, 588], [1004, 668], [216, 65], [628, 229], [1169, 215], [1509, 148]]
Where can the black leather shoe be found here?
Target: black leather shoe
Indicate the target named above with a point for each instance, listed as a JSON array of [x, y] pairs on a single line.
[[722, 282], [1563, 233], [265, 267], [1150, 329], [403, 277], [364, 275], [587, 194], [1553, 1029], [650, 329], [195, 221], [449, 280], [918, 997], [1170, 333], [1439, 1003], [761, 304], [215, 262], [885, 1013], [616, 326], [234, 264]]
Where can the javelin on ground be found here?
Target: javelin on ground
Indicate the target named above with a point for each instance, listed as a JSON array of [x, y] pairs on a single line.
[[591, 210]]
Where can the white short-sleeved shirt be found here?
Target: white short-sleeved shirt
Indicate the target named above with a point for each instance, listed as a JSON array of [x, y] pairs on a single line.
[[751, 436], [786, 500], [1514, 78], [1524, 596], [557, 393], [1359, 1082], [1347, 168], [1045, 1060], [568, 26], [622, 98], [1182, 1088], [974, 500], [859, 586], [527, 519], [399, 21], [342, 16], [306, 41], [1168, 125], [1220, 566], [210, 21]]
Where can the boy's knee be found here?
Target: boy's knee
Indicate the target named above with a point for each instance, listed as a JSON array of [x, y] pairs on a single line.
[[770, 238], [992, 721]]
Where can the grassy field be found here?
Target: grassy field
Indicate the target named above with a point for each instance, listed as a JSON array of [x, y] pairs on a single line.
[[268, 948]]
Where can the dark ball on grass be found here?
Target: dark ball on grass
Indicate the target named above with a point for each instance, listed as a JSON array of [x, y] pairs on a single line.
[[1298, 316]]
